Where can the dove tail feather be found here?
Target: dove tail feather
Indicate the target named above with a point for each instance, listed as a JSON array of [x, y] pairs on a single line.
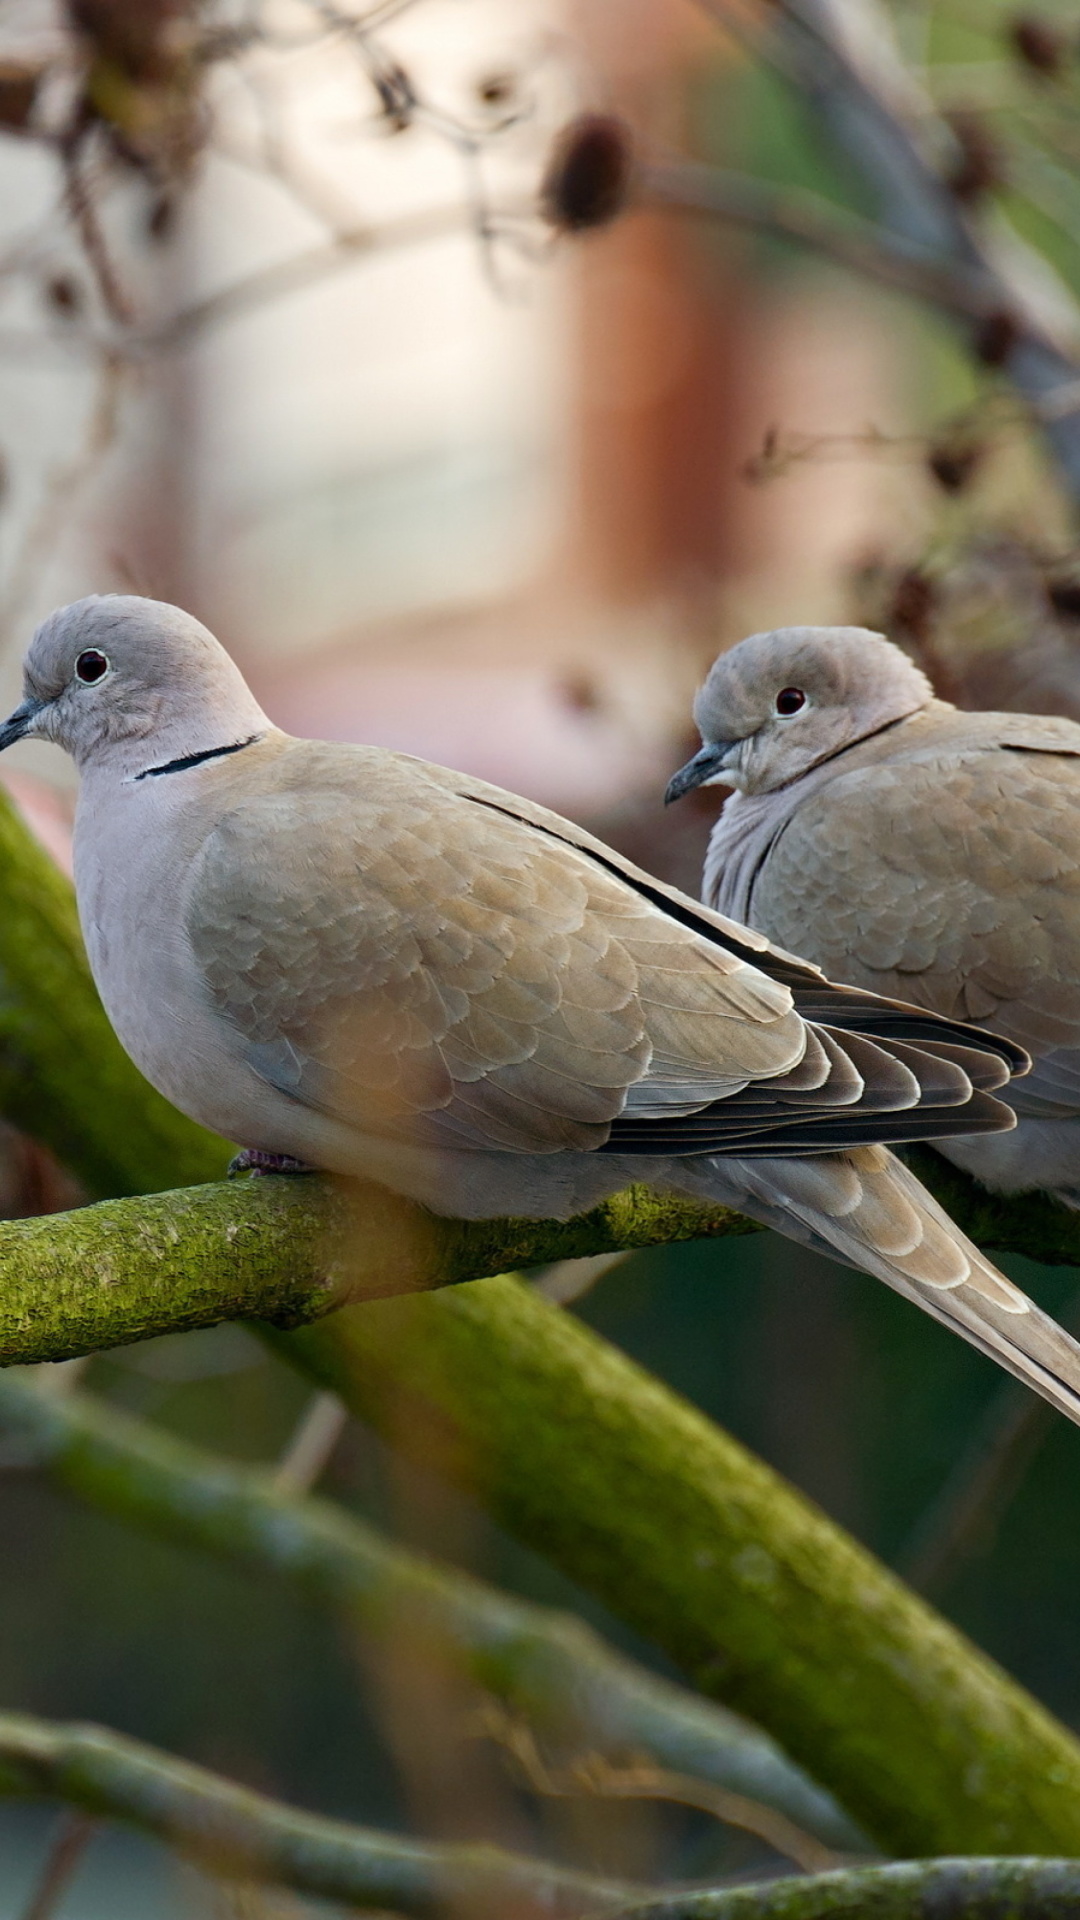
[[867, 1209]]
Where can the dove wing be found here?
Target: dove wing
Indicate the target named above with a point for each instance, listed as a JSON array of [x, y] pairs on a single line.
[[407, 952], [954, 883]]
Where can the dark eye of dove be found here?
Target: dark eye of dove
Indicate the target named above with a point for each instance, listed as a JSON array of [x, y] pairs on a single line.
[[789, 700], [91, 665]]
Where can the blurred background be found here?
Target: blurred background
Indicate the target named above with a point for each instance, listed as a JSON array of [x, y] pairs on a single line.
[[312, 320]]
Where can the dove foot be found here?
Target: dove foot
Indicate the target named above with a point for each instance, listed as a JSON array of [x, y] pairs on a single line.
[[254, 1160]]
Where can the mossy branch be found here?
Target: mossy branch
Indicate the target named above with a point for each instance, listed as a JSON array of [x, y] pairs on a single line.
[[758, 1598], [905, 1890], [281, 1249], [549, 1668], [235, 1831]]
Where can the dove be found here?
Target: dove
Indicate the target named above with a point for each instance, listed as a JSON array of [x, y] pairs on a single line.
[[910, 848], [350, 960]]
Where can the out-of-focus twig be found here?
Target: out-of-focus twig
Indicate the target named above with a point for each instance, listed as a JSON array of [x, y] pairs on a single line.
[[842, 60], [592, 1775], [805, 219], [75, 1832], [544, 1666], [233, 1829], [982, 1482], [308, 1453]]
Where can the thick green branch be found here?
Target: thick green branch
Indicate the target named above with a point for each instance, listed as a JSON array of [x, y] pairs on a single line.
[[915, 1890], [289, 1251], [236, 1831], [751, 1590], [285, 1250], [547, 1667]]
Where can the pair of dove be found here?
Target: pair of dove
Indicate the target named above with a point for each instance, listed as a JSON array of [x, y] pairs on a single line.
[[352, 960]]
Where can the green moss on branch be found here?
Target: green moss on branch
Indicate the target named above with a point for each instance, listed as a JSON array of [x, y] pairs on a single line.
[[284, 1250], [915, 1890], [759, 1599]]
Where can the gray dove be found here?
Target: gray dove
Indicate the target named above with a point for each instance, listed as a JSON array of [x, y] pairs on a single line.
[[913, 849], [351, 960]]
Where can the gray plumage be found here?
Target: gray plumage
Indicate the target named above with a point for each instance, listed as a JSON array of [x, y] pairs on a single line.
[[388, 970], [910, 848]]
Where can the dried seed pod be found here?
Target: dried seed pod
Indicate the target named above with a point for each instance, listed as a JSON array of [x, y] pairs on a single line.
[[497, 90], [979, 163], [996, 336], [587, 182], [1064, 596], [18, 91], [64, 294], [1038, 44], [954, 462]]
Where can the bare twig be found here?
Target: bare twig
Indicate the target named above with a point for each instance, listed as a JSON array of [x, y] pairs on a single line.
[[83, 210], [73, 1836], [842, 60], [983, 1480], [806, 220], [592, 1775], [308, 1453]]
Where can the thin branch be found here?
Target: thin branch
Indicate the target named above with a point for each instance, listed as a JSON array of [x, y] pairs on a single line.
[[754, 1594], [546, 1667], [592, 1775], [972, 1889], [232, 1829], [281, 1250], [83, 211], [297, 273], [879, 118], [311, 1446], [62, 1862], [804, 219]]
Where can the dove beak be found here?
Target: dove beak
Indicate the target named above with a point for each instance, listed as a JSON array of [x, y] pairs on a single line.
[[20, 723], [705, 766]]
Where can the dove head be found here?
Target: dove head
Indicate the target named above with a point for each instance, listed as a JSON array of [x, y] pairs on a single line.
[[780, 703], [126, 682]]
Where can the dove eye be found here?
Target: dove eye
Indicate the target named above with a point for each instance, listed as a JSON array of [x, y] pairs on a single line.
[[789, 700], [91, 666]]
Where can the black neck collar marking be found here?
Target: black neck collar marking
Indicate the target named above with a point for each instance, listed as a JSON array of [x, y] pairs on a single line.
[[196, 759]]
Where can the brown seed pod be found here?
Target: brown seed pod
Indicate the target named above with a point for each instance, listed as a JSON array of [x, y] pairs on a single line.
[[1038, 44], [1064, 596], [587, 181], [954, 462], [996, 336], [64, 294], [18, 91], [979, 163]]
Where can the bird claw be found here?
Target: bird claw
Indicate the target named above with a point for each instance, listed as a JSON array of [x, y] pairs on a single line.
[[253, 1160]]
